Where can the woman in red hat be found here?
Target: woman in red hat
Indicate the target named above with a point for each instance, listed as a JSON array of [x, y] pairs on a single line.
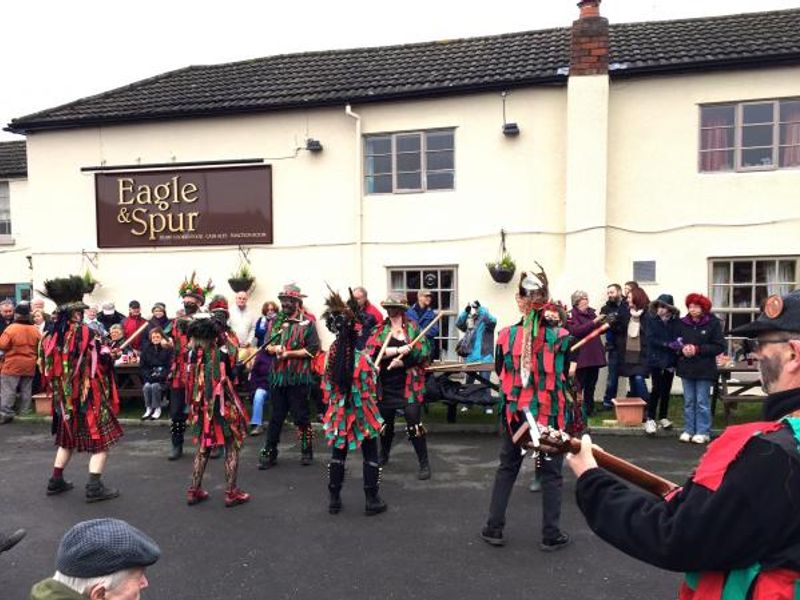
[[699, 341]]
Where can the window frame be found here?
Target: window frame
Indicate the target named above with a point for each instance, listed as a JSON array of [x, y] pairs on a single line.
[[725, 312], [423, 152], [453, 335], [6, 235], [738, 132]]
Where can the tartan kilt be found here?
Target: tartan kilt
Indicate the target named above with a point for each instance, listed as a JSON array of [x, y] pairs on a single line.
[[75, 435]]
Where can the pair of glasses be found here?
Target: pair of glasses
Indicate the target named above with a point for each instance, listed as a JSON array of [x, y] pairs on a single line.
[[753, 346]]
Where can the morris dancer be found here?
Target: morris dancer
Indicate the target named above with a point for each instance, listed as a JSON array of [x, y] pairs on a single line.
[[80, 372], [217, 415], [402, 378], [293, 341], [352, 420], [194, 295], [532, 361], [733, 526]]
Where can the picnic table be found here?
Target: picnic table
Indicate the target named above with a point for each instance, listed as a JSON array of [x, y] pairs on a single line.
[[129, 380], [734, 382], [443, 383]]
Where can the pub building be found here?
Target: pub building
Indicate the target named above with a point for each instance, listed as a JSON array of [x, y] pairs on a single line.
[[666, 152]]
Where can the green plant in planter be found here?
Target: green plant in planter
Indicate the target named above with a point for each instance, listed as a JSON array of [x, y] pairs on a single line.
[[242, 279], [506, 263], [89, 282]]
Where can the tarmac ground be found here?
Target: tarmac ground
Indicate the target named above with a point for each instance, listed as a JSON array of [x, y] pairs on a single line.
[[285, 545]]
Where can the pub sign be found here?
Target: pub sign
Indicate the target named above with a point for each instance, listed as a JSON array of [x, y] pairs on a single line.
[[184, 207]]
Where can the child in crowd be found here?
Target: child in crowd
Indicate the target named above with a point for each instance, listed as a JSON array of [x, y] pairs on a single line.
[[154, 364]]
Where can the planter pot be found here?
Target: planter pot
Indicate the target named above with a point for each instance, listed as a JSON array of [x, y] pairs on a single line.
[[630, 411], [42, 404], [501, 274], [239, 284]]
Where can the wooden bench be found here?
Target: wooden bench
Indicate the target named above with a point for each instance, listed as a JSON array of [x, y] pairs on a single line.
[[732, 390]]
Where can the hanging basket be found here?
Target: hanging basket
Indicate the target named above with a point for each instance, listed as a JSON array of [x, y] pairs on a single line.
[[241, 284], [500, 273]]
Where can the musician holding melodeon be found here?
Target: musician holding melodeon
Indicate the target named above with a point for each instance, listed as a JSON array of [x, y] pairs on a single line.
[[532, 361], [733, 526]]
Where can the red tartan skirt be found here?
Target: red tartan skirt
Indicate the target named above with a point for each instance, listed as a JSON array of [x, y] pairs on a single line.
[[75, 435]]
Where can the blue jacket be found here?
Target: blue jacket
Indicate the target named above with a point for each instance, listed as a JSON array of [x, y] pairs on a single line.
[[483, 348], [660, 334], [422, 317]]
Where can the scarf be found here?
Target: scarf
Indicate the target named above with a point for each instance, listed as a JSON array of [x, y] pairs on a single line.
[[634, 327]]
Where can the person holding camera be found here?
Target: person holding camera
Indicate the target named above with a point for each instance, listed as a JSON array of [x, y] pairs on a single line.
[[477, 344], [154, 364]]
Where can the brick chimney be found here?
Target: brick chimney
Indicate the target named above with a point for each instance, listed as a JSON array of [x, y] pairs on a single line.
[[589, 44]]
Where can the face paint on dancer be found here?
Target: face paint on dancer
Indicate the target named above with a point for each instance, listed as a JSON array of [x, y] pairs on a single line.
[[190, 305], [290, 306], [552, 318]]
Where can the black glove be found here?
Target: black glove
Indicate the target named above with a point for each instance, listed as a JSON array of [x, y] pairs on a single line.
[[468, 308], [476, 304]]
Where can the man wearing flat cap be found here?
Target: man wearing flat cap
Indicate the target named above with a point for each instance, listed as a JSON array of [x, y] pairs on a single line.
[[733, 526], [100, 559]]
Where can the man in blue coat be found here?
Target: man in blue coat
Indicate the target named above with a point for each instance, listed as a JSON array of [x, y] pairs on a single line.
[[478, 323], [422, 314]]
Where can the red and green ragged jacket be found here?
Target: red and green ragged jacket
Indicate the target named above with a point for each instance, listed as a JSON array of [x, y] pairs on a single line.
[[545, 392], [80, 373], [352, 417], [215, 409], [415, 361], [733, 526], [177, 331], [293, 335]]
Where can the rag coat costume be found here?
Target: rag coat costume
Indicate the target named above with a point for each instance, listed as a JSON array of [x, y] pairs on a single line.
[[732, 527], [80, 371]]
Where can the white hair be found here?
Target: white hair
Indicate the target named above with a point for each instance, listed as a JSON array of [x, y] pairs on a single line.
[[84, 585]]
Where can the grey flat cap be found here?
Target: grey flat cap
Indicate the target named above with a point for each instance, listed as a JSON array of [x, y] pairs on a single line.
[[104, 546]]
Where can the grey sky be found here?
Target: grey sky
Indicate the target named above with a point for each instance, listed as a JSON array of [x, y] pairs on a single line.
[[52, 52]]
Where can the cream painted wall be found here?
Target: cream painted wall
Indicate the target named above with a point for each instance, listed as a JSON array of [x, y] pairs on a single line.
[[654, 183]]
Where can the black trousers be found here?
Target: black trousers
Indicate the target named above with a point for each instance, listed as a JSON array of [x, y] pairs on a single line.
[[587, 380], [412, 413], [549, 472], [285, 399], [369, 451], [659, 396], [177, 404]]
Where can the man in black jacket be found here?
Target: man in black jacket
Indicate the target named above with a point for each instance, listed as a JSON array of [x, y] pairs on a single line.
[[617, 308], [733, 526]]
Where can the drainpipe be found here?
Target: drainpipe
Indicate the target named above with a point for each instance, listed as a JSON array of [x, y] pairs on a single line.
[[359, 197]]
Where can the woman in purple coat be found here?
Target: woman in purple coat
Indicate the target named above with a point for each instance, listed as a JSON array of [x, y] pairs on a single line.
[[582, 321], [259, 388]]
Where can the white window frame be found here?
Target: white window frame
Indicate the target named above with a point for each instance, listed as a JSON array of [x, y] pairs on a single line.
[[6, 238], [453, 334], [753, 310], [738, 130], [423, 133]]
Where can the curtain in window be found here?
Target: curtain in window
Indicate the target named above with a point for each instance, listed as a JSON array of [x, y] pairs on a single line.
[[719, 293], [790, 155], [779, 276], [715, 139]]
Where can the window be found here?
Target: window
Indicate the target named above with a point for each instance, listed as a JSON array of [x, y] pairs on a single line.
[[750, 136], [5, 209], [409, 162], [739, 286], [442, 282], [644, 271]]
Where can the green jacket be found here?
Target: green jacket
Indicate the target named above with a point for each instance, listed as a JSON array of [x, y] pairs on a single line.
[[50, 589]]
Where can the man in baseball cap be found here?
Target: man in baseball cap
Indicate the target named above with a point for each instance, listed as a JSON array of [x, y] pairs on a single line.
[[100, 559], [733, 525]]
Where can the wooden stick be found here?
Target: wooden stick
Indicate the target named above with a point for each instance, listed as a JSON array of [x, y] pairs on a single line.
[[594, 333], [427, 328], [262, 347], [459, 366], [134, 335], [383, 350]]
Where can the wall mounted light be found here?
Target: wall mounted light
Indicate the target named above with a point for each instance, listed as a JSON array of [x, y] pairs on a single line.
[[509, 129], [313, 146]]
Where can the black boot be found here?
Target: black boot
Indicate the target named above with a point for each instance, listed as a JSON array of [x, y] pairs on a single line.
[[374, 504], [177, 428], [416, 434], [97, 492], [57, 486], [387, 435], [268, 457], [335, 479], [306, 445]]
